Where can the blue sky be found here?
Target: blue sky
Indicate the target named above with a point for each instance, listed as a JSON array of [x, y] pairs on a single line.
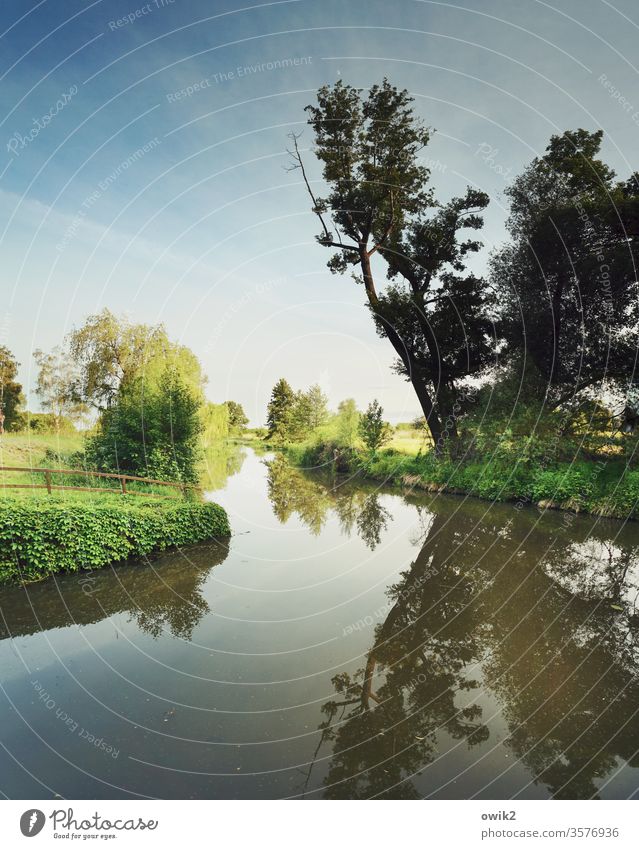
[[142, 154]]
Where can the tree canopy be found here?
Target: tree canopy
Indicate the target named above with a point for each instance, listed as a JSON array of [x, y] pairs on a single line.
[[566, 282], [10, 390], [109, 351], [379, 202]]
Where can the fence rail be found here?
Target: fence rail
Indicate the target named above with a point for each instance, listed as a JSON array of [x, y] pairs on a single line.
[[50, 486]]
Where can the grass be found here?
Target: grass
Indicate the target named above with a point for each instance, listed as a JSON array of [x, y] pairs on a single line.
[[48, 450], [41, 534], [606, 487], [409, 441], [36, 449]]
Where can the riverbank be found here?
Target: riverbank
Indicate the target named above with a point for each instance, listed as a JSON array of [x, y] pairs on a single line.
[[606, 487], [41, 536]]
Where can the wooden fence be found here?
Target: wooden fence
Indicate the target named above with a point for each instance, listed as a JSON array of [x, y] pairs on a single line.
[[50, 486]]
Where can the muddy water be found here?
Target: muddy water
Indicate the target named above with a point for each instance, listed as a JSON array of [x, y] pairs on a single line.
[[347, 642]]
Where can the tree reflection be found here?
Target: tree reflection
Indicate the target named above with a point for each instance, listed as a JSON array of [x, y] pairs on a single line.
[[164, 595], [385, 724], [312, 499], [544, 615], [221, 461], [568, 677]]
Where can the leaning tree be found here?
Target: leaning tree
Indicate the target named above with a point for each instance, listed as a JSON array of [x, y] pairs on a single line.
[[378, 201]]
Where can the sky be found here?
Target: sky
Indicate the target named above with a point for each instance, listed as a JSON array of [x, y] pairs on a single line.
[[143, 162]]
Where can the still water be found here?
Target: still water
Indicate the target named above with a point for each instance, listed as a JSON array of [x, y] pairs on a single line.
[[346, 642]]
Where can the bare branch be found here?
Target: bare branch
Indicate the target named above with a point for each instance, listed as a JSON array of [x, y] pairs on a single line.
[[331, 244], [297, 157]]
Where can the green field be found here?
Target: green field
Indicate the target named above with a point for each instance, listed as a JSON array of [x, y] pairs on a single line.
[[41, 534], [48, 450], [33, 449], [410, 441]]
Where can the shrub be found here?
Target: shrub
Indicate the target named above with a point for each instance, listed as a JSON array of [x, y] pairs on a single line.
[[46, 423], [39, 538], [373, 430], [152, 431]]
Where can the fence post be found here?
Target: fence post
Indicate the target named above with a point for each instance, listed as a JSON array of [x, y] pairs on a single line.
[[123, 485], [47, 480]]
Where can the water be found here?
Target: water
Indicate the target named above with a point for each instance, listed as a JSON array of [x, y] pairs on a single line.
[[348, 642]]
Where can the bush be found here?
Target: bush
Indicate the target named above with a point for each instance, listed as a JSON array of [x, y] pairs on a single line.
[[39, 538], [152, 431], [46, 423]]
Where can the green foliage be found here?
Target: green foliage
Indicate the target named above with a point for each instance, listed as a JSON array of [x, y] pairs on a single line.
[[57, 376], [279, 414], [238, 419], [110, 352], [307, 412], [46, 423], [568, 273], [347, 424], [369, 147], [215, 422], [10, 391], [378, 201], [39, 538], [576, 482], [316, 404], [150, 430], [606, 487], [374, 431]]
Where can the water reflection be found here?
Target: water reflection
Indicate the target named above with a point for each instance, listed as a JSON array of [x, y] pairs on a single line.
[[221, 461], [163, 595], [544, 615], [547, 623], [313, 497], [499, 659], [389, 714]]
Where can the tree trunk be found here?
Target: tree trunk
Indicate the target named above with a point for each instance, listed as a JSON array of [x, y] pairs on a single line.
[[555, 367], [414, 372], [443, 396]]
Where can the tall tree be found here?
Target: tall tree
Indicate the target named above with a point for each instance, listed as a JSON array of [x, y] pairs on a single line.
[[54, 385], [237, 417], [567, 282], [110, 350], [442, 313], [377, 203], [317, 406], [279, 410], [373, 430], [10, 390]]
